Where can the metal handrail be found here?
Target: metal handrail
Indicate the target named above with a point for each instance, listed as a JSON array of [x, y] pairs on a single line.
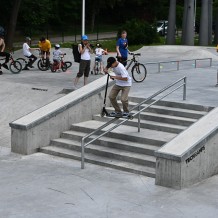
[[178, 62], [83, 144]]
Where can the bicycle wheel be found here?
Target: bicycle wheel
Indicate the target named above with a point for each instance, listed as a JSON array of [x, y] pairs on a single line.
[[64, 67], [22, 61], [42, 65], [15, 67], [139, 72], [53, 68], [68, 64]]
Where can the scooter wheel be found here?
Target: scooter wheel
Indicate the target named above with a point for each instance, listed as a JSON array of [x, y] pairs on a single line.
[[102, 114]]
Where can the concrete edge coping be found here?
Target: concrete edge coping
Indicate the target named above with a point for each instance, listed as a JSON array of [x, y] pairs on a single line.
[[59, 105], [191, 139]]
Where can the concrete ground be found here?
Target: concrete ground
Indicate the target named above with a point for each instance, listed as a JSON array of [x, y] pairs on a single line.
[[43, 186]]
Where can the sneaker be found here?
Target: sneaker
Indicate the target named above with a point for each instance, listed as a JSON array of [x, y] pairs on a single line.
[[5, 66], [116, 114], [26, 68], [91, 72], [1, 73], [31, 66], [125, 114]]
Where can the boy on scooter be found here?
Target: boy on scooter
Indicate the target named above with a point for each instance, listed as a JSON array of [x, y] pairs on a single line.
[[123, 83]]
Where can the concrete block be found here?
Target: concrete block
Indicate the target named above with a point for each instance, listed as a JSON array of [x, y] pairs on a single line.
[[37, 128], [193, 153]]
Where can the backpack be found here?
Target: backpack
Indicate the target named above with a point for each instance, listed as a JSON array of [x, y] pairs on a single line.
[[76, 53]]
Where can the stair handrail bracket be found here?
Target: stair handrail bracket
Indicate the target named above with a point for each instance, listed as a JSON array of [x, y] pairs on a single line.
[[139, 108]]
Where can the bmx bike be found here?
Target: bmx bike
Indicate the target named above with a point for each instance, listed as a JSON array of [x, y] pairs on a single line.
[[64, 65], [14, 66], [138, 70]]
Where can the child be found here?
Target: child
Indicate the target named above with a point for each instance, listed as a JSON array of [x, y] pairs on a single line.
[[27, 53], [123, 84], [57, 56], [122, 48], [98, 57], [85, 62]]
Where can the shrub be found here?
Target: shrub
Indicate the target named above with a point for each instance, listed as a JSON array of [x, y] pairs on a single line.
[[139, 32]]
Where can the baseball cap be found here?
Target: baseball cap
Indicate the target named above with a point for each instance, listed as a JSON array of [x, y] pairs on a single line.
[[84, 37], [110, 61]]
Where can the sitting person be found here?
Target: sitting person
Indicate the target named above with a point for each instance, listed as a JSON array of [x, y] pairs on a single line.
[[27, 53], [57, 56], [98, 57]]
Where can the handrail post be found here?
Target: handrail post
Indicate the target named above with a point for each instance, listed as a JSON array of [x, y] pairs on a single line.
[[159, 67], [184, 88], [139, 120], [82, 154], [195, 63], [177, 65], [210, 62], [217, 79]]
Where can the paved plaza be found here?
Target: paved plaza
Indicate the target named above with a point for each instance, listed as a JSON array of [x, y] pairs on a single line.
[[43, 186]]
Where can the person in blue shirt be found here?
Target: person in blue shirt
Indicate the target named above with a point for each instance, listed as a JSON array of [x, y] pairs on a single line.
[[122, 48]]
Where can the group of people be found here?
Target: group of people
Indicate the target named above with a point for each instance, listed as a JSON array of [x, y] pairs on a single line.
[[123, 81]]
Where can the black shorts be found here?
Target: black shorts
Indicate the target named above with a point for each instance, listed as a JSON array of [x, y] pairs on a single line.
[[84, 68]]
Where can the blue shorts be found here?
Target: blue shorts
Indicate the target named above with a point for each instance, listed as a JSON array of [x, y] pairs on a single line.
[[98, 58]]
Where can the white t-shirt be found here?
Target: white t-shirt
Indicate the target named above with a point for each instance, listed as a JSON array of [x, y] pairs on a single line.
[[56, 54], [86, 54], [99, 51], [26, 51], [120, 70]]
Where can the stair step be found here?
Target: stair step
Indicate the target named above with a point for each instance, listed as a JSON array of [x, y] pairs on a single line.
[[148, 124], [130, 133], [112, 143], [115, 153], [172, 104], [162, 118], [102, 161], [173, 111]]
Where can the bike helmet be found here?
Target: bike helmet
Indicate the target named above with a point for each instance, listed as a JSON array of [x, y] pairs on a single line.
[[57, 46], [98, 45], [2, 31], [28, 38]]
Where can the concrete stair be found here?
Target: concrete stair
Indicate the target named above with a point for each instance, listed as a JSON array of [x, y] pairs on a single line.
[[125, 148]]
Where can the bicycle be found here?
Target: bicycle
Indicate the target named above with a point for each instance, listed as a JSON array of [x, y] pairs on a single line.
[[24, 62], [42, 63], [97, 68], [139, 71], [14, 66], [55, 65]]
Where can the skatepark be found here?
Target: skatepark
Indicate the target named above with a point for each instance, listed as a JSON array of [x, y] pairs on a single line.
[[40, 185]]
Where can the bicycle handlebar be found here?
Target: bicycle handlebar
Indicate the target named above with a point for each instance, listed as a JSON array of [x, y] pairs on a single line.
[[135, 54]]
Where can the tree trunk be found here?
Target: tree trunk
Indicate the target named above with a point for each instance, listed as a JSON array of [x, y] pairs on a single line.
[[171, 23], [94, 9], [12, 23], [203, 34], [188, 28], [216, 27]]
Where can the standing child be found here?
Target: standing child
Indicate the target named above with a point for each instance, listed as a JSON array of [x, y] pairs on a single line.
[[122, 48], [123, 84], [85, 62]]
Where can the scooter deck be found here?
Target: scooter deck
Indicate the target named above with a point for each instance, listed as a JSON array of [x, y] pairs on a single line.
[[129, 117]]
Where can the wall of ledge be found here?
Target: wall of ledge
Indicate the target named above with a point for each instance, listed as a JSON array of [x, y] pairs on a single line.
[[37, 128], [190, 157]]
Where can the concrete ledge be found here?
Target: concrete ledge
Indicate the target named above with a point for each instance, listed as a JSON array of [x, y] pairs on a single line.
[[37, 128], [191, 156]]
